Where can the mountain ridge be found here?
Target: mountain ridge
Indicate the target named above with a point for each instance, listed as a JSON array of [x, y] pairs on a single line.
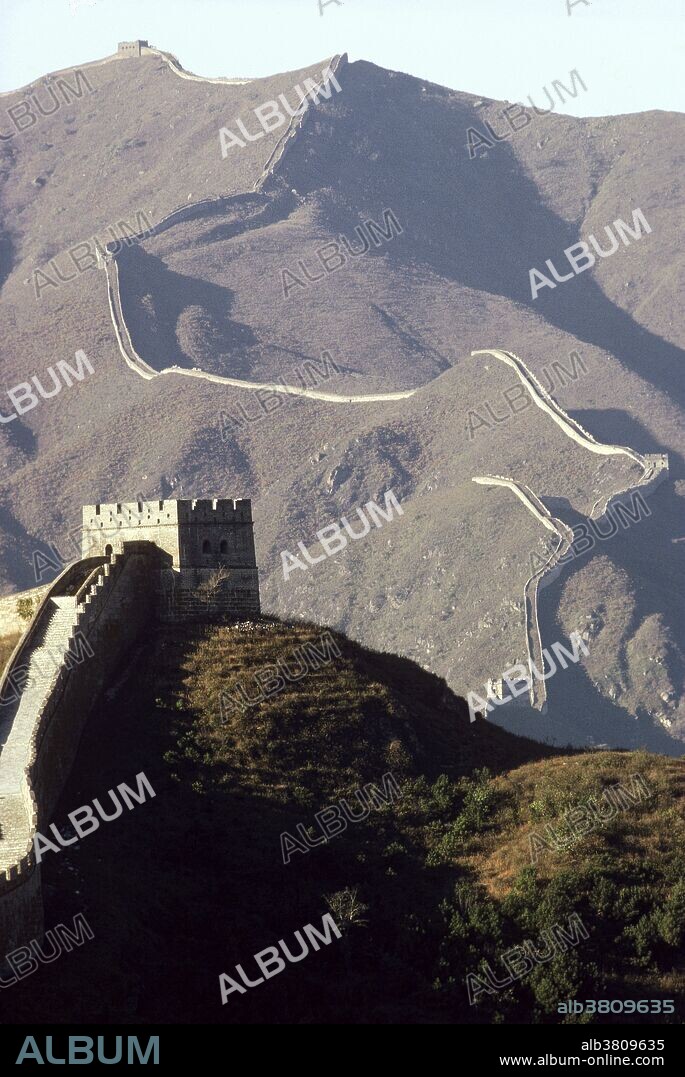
[[447, 280]]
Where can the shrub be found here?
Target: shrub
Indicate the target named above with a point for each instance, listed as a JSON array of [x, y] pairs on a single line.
[[670, 918], [25, 608]]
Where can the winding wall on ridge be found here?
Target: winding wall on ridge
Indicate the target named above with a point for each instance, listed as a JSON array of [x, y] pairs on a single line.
[[538, 690], [654, 466]]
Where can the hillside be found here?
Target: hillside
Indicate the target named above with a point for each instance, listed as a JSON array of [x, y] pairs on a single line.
[[430, 883], [443, 585]]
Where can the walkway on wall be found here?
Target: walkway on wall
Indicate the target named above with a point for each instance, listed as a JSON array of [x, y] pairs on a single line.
[[175, 65], [542, 399], [25, 687]]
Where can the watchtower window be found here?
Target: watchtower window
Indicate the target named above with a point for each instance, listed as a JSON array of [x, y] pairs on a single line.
[[206, 546], [223, 546]]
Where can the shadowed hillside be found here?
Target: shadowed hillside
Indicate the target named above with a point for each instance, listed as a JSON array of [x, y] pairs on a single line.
[[432, 880]]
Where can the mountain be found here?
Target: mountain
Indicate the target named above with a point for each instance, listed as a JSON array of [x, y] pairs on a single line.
[[264, 278]]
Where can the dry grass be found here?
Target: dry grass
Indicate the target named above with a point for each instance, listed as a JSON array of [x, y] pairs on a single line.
[[351, 719], [7, 645], [537, 796]]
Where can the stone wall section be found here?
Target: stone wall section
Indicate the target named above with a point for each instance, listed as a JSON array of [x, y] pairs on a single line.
[[94, 612]]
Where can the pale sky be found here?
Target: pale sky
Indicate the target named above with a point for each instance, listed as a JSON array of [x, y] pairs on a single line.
[[629, 53]]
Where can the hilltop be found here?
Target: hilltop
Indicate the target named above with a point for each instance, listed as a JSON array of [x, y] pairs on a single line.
[[435, 879]]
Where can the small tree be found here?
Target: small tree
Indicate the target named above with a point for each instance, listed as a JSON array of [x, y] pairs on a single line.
[[347, 911], [346, 908], [25, 608], [210, 587]]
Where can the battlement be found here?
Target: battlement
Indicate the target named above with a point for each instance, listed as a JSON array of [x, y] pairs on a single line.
[[126, 513], [140, 513], [215, 510]]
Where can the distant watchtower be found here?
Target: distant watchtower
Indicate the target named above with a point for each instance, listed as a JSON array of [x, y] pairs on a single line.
[[204, 552], [131, 48]]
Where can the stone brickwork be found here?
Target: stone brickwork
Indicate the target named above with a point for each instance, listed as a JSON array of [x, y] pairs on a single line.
[[208, 566], [91, 616]]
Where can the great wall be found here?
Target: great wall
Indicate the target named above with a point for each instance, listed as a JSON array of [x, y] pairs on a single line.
[[654, 471], [210, 206], [84, 624], [125, 51], [655, 466], [175, 561], [551, 568], [91, 614]]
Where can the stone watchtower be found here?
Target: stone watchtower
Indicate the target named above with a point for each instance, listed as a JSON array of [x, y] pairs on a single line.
[[131, 48], [202, 552]]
